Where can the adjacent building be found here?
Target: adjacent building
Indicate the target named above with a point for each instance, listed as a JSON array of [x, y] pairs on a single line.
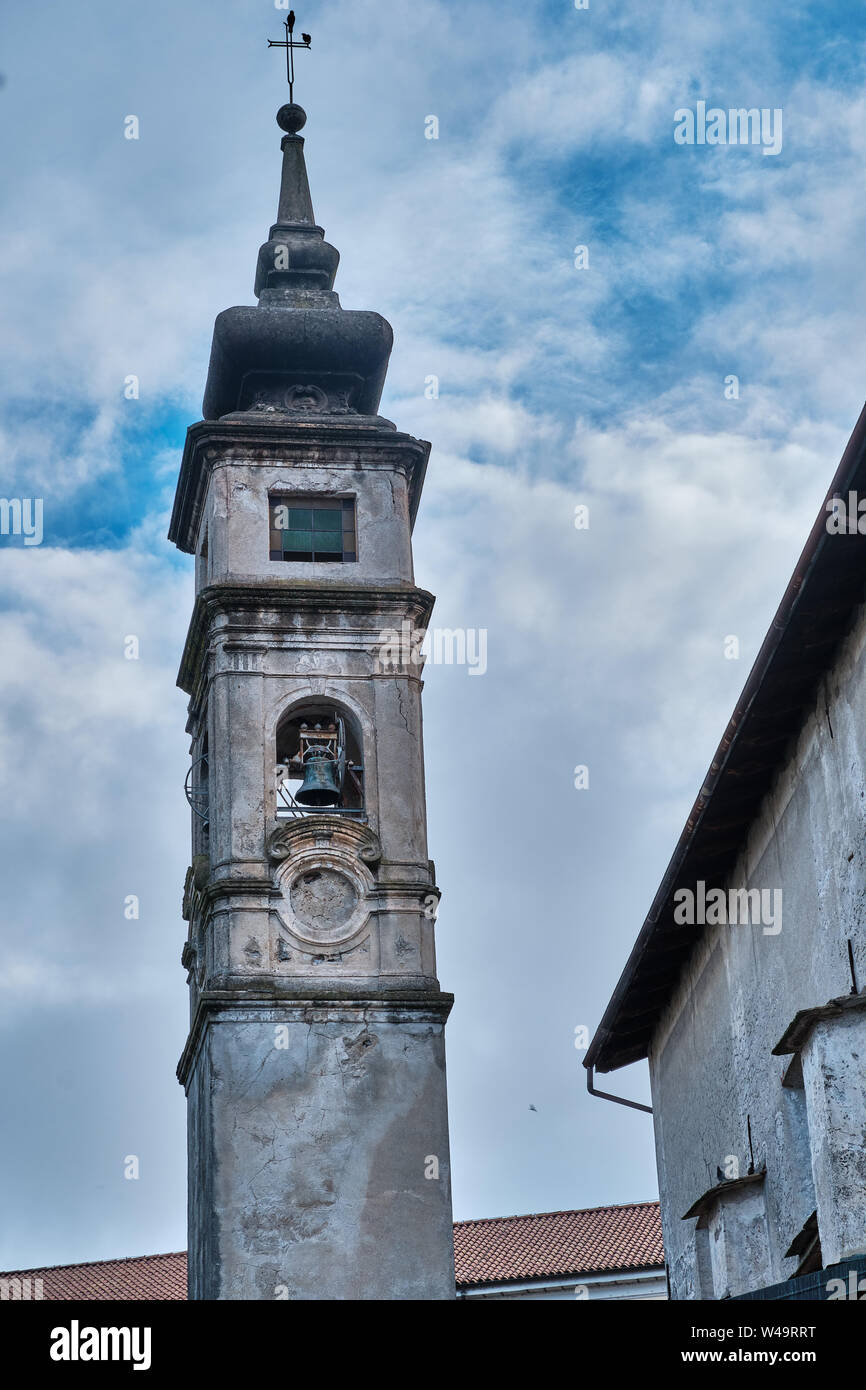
[[746, 988], [600, 1252]]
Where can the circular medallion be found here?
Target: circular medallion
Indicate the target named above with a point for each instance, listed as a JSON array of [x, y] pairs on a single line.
[[322, 899]]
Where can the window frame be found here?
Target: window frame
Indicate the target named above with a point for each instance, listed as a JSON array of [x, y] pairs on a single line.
[[343, 505]]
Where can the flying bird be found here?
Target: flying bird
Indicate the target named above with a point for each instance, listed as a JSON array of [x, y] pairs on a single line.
[[532, 1107]]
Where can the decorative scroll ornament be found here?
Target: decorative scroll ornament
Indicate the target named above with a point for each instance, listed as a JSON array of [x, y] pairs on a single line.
[[341, 836]]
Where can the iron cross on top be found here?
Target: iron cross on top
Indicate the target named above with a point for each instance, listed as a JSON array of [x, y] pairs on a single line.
[[290, 44]]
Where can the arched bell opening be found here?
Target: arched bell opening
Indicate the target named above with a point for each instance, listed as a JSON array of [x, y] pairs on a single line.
[[319, 761]]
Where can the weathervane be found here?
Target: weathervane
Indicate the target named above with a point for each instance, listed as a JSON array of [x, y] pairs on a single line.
[[290, 44]]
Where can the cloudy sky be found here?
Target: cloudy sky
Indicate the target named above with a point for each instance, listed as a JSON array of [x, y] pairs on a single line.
[[560, 386]]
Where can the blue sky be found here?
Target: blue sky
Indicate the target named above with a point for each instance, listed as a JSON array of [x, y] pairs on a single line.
[[558, 386]]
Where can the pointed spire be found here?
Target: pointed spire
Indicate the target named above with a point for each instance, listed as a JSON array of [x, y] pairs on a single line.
[[296, 266], [296, 205], [297, 355]]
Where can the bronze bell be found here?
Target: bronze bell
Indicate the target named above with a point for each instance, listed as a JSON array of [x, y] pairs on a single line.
[[320, 786]]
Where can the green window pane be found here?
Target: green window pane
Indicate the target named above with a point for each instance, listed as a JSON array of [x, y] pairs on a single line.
[[328, 540], [316, 528], [297, 540]]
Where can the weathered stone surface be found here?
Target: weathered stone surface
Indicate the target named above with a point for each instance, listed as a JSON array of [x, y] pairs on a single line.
[[739, 1244], [834, 1080], [245, 459], [313, 1130], [322, 899]]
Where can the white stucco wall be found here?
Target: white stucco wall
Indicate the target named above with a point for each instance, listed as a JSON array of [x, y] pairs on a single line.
[[711, 1062]]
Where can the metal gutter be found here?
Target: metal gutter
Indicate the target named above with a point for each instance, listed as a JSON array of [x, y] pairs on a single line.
[[605, 1095]]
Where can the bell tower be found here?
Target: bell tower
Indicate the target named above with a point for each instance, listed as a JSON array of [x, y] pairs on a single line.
[[315, 1063]]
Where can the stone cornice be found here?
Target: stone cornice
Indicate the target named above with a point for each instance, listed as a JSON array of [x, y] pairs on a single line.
[[310, 998], [323, 440], [294, 595]]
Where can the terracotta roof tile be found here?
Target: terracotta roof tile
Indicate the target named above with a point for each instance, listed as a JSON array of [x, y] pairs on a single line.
[[547, 1244], [558, 1244], [160, 1277]]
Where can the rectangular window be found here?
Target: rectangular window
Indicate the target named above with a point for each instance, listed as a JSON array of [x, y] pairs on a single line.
[[312, 528]]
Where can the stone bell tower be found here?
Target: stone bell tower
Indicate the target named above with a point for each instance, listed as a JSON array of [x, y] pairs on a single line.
[[315, 1063]]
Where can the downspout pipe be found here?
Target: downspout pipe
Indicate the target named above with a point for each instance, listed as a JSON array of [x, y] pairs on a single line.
[[619, 1100]]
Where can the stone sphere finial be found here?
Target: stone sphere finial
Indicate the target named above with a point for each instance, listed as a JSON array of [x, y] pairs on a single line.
[[291, 118]]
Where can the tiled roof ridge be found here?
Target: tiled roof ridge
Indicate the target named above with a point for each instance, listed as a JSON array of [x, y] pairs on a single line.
[[567, 1211], [94, 1264], [558, 1244]]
